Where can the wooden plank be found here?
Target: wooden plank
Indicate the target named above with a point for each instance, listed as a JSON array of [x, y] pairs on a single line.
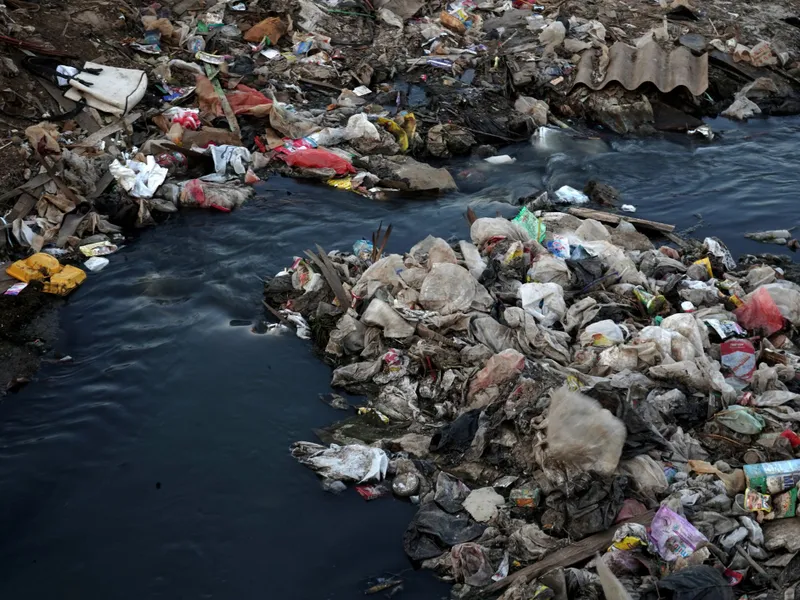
[[83, 118], [614, 219], [32, 183], [23, 206], [567, 556], [108, 130]]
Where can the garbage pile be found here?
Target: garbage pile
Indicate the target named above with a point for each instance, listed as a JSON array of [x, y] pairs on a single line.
[[574, 410]]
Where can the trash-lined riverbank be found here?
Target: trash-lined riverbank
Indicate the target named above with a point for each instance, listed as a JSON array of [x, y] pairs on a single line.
[[89, 468], [535, 386]]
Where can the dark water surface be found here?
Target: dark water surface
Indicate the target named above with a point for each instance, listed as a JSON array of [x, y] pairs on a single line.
[[156, 465]]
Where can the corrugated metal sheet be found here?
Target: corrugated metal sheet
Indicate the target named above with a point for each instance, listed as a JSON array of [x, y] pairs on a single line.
[[631, 67]]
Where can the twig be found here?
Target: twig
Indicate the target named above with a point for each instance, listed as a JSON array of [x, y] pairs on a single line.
[[758, 568]]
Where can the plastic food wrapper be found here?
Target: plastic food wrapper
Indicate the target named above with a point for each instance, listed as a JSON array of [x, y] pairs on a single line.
[[353, 462], [760, 314], [673, 536], [559, 246], [774, 477], [784, 505], [754, 501], [704, 262], [725, 329], [373, 492], [739, 356], [720, 251], [535, 228], [654, 304]]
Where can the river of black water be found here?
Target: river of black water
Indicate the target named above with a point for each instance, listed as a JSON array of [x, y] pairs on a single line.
[[156, 464]]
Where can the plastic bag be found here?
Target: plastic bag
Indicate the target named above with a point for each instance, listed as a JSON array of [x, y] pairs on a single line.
[[473, 259], [734, 482], [213, 195], [741, 420], [700, 582], [247, 101], [569, 195], [687, 326], [486, 228], [602, 334], [360, 127], [787, 298], [582, 433], [500, 368], [471, 564], [234, 156], [528, 221], [343, 463], [449, 288], [318, 158], [380, 314], [545, 301], [760, 315], [546, 268], [646, 474]]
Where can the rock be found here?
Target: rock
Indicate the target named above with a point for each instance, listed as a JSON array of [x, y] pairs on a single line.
[[416, 444], [631, 240], [446, 140], [532, 107], [8, 68], [693, 41], [482, 504], [742, 108], [601, 193], [620, 111], [405, 173], [782, 533]]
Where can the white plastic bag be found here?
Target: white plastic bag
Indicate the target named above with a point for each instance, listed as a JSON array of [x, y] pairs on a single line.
[[582, 433], [343, 463], [602, 334], [545, 301]]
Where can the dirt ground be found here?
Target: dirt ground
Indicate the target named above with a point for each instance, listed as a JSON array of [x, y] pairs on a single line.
[[28, 329]]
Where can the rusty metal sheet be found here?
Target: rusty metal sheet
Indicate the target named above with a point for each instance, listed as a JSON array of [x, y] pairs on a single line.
[[631, 67]]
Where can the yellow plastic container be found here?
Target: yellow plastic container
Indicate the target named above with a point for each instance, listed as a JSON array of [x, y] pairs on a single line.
[[34, 268], [66, 280], [41, 267]]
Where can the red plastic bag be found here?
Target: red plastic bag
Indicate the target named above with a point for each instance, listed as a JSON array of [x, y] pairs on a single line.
[[760, 315], [318, 158], [246, 100]]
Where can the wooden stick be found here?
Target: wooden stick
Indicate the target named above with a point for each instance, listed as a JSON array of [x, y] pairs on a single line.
[[565, 557], [614, 219], [757, 567], [233, 123]]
